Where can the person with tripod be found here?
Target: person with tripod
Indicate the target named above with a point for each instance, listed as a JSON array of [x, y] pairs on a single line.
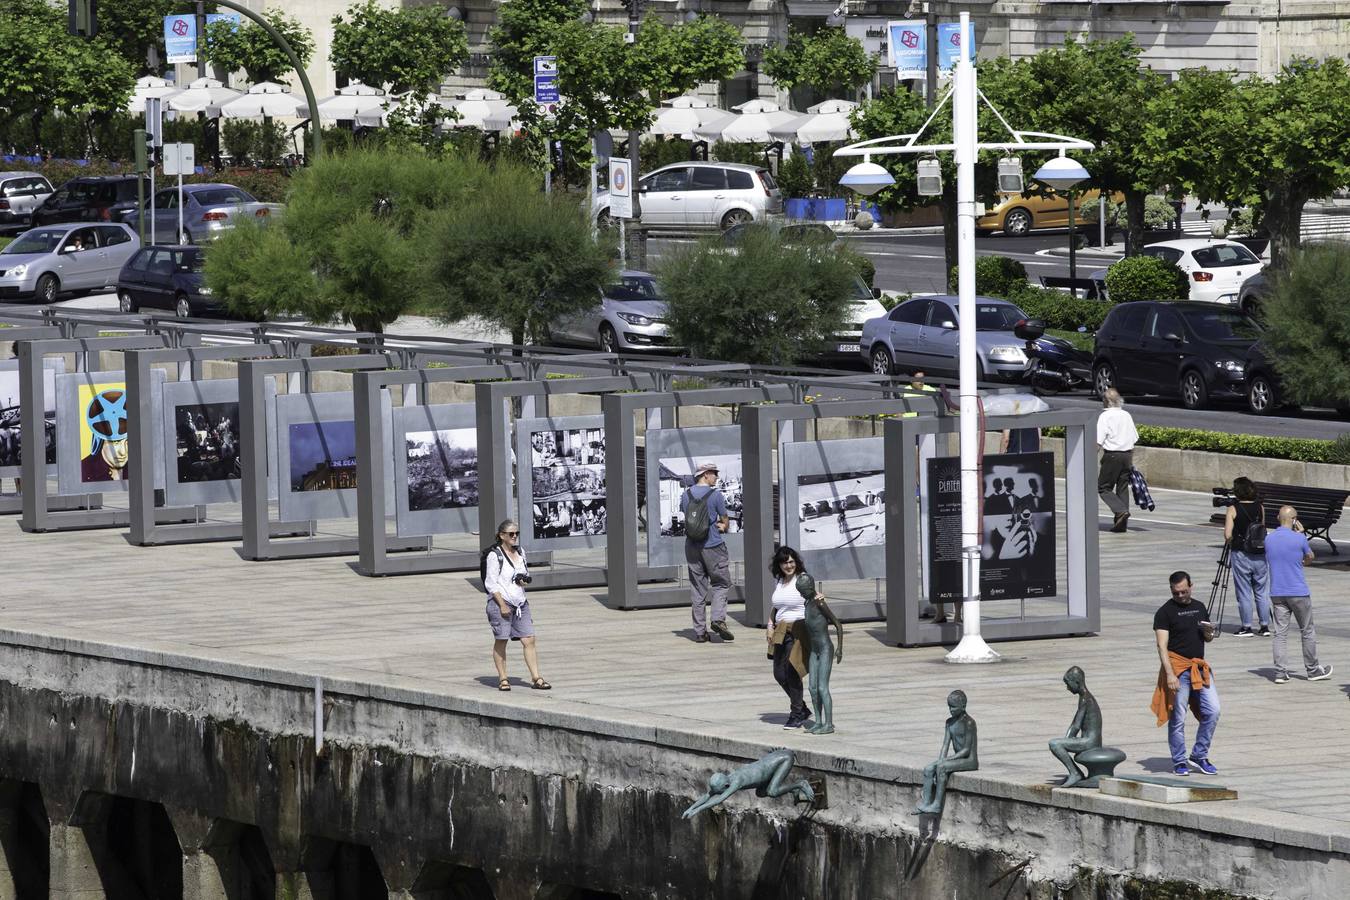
[[1244, 528]]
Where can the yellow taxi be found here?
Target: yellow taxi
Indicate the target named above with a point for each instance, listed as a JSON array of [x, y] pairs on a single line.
[[1020, 213]]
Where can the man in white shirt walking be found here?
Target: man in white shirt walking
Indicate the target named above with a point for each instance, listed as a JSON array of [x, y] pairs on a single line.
[[1116, 436]]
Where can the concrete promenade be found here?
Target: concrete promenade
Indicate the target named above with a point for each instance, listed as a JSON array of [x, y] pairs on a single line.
[[1280, 747]]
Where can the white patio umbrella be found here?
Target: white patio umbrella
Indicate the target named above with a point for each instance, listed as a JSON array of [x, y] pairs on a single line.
[[750, 124], [378, 117], [682, 115], [346, 103], [266, 99], [503, 119], [147, 87], [827, 121], [475, 112], [200, 94]]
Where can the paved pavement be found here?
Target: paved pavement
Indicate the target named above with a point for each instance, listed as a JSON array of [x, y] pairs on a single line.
[[1281, 747]]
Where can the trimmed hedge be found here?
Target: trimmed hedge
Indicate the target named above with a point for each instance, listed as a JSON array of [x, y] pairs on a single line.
[[1295, 449], [1146, 278], [995, 276], [1059, 309]]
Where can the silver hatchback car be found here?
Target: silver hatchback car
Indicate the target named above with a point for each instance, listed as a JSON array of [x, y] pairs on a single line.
[[630, 317], [702, 195], [44, 262]]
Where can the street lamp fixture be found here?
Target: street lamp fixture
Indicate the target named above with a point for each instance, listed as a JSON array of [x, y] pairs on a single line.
[[1062, 173], [867, 178], [930, 178], [1010, 179], [455, 13]]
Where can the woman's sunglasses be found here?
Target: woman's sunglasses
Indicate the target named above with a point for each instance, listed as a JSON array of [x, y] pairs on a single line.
[[511, 533]]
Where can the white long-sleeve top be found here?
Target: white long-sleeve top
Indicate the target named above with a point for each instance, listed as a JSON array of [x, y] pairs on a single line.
[[1116, 431], [501, 574]]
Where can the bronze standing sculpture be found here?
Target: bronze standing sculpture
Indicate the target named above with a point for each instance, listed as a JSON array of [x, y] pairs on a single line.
[[823, 655], [962, 740], [768, 775]]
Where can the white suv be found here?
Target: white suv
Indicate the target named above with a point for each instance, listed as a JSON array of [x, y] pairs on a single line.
[[706, 194]]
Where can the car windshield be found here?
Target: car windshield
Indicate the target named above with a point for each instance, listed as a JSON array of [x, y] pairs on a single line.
[[39, 240], [860, 289], [1222, 325], [1223, 255], [634, 287], [997, 316], [221, 196]]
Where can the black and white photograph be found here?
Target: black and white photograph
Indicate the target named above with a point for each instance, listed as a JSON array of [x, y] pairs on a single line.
[[1019, 525], [569, 518], [11, 429], [559, 482], [207, 442], [677, 476], [841, 509], [442, 468], [573, 447]]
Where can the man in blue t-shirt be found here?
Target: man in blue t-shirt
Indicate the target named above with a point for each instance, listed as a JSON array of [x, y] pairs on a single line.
[[709, 562], [1286, 551]]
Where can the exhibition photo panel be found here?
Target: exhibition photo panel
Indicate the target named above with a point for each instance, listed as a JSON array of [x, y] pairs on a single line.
[[833, 496], [436, 469], [11, 425], [672, 455], [204, 457], [94, 414], [316, 456], [562, 500]]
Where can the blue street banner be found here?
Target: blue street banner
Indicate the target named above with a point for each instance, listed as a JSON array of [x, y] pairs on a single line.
[[908, 48], [236, 18], [949, 44], [180, 39]]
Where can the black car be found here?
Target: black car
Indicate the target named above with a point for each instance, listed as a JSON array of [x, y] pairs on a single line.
[[1195, 351], [94, 198], [1265, 393], [166, 277]]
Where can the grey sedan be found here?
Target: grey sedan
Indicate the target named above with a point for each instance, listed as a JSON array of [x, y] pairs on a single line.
[[44, 262], [208, 210], [921, 335]]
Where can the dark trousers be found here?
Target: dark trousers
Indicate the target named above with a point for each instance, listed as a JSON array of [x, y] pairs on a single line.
[[787, 676], [1113, 480]]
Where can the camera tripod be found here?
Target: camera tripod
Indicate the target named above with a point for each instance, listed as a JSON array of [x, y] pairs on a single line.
[[1219, 591]]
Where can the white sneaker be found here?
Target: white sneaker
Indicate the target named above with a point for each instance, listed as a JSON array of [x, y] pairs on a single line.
[[1320, 673]]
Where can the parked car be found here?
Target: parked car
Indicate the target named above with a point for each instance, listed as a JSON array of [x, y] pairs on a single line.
[[701, 194], [166, 277], [921, 334], [43, 263], [93, 198], [790, 232], [1265, 392], [1018, 214], [208, 210], [20, 194], [1253, 293], [1195, 351], [1215, 268], [630, 317], [846, 344]]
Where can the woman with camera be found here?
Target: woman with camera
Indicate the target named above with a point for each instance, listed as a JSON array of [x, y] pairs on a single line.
[[789, 643], [1245, 531], [505, 575]]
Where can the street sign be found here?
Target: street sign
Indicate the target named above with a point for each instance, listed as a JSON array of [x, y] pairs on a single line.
[[546, 65], [545, 89], [179, 159], [908, 48], [180, 39], [620, 188], [154, 120]]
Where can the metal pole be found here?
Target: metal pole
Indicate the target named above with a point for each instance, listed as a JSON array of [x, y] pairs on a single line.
[[548, 166], [140, 206], [930, 40], [179, 236], [1101, 217], [1073, 247], [623, 245], [972, 647], [201, 39]]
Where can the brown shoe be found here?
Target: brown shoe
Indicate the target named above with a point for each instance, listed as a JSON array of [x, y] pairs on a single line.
[[1122, 519], [723, 631]]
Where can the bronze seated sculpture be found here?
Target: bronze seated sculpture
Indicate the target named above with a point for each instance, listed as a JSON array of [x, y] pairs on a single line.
[[959, 753], [1082, 743]]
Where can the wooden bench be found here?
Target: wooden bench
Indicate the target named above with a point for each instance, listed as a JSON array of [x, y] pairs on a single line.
[[1318, 508]]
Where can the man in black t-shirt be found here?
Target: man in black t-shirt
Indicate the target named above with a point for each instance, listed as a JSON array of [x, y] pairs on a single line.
[[1182, 628]]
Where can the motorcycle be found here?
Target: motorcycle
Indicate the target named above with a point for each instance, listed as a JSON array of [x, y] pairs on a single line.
[[1054, 364]]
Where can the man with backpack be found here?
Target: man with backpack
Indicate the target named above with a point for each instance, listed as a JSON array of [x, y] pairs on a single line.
[[705, 520]]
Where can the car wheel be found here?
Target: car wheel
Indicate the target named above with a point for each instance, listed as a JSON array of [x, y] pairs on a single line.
[[181, 307], [1103, 379], [882, 364], [1261, 398], [609, 341], [736, 217], [1194, 393], [125, 303], [47, 287], [1017, 221], [184, 237]]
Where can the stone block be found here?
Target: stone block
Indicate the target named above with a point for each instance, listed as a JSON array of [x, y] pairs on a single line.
[[1165, 790]]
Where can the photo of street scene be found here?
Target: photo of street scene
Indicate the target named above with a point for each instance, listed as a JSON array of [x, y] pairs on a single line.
[[442, 468], [841, 509], [569, 518], [574, 447], [11, 429], [323, 455], [677, 476], [559, 482], [207, 442]]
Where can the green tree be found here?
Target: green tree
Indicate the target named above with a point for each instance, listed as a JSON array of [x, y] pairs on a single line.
[[1308, 326], [828, 60], [769, 303], [1146, 278], [349, 245], [513, 256], [132, 27], [250, 48], [408, 48]]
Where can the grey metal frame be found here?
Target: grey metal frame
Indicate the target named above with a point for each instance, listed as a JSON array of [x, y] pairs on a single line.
[[806, 458], [201, 392], [692, 444], [68, 448], [624, 571], [904, 591], [313, 408], [525, 430], [416, 419], [56, 367]]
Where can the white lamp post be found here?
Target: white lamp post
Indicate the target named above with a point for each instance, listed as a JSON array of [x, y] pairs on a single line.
[[1062, 173], [964, 96]]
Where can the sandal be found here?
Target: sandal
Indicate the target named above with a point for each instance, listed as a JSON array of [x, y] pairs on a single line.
[[540, 684], [504, 685]]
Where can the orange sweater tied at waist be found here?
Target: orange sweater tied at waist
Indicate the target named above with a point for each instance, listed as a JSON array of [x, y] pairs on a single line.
[[1164, 700]]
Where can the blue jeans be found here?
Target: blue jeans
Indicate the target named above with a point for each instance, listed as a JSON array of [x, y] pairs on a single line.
[[1251, 575], [1209, 719]]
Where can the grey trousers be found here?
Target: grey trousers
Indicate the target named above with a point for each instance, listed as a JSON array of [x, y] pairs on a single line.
[[1113, 480], [1301, 609], [709, 580]]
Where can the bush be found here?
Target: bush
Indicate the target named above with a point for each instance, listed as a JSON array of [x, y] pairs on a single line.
[[749, 154], [655, 154], [795, 178], [1146, 278], [1059, 309], [1296, 449], [1308, 326], [1089, 208], [1159, 214], [865, 268], [995, 276]]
